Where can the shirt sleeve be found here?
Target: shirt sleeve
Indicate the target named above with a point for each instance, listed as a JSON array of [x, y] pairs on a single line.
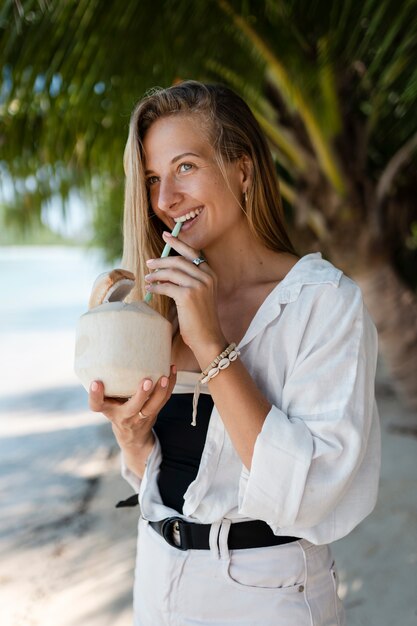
[[311, 447], [152, 463]]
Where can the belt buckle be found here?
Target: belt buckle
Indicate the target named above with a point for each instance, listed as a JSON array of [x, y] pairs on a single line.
[[167, 529]]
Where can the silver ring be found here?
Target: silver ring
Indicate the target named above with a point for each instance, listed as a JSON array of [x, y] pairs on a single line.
[[142, 416], [199, 260]]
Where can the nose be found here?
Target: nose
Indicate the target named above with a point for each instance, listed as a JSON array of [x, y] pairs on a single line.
[[168, 194]]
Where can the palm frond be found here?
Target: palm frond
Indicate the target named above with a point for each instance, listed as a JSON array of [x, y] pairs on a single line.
[[326, 81], [290, 153], [280, 77]]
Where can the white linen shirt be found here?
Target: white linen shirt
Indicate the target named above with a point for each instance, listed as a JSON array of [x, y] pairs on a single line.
[[311, 349]]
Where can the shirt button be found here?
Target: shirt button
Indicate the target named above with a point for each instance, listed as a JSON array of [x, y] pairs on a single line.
[[301, 588]]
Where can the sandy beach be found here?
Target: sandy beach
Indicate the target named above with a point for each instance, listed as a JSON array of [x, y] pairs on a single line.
[[67, 555]]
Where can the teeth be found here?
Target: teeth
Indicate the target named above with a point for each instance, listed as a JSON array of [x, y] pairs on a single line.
[[188, 216]]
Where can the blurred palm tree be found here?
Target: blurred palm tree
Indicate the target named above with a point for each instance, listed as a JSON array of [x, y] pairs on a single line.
[[334, 86]]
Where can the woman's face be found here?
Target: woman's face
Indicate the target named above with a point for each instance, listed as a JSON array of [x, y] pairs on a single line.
[[185, 181]]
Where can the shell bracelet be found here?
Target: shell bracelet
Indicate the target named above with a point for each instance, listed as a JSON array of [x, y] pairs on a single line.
[[220, 363]]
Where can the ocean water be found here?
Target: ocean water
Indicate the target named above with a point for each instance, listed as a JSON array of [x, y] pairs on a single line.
[[45, 288]]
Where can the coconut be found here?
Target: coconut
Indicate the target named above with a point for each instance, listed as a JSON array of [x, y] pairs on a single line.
[[120, 343]]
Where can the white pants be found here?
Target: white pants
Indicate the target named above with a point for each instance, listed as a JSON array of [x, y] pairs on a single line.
[[288, 585]]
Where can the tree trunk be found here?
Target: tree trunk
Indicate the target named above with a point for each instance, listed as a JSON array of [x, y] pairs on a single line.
[[393, 307], [351, 243]]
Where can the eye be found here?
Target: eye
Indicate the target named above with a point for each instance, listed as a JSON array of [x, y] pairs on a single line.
[[185, 167], [151, 180]]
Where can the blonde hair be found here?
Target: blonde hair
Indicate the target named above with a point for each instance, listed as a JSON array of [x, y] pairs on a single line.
[[234, 133]]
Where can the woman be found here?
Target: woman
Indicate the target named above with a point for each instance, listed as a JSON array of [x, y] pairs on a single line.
[[238, 511]]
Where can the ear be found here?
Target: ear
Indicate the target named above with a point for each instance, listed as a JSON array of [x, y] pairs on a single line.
[[246, 172]]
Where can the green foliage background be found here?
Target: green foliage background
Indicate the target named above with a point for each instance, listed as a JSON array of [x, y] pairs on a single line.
[[333, 84]]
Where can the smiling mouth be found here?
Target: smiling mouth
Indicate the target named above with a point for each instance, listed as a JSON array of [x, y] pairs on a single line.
[[188, 216]]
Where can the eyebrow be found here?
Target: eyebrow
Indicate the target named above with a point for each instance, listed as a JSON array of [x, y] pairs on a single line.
[[177, 158]]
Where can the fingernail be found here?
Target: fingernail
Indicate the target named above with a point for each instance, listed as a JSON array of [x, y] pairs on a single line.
[[164, 382], [147, 385], [94, 386], [148, 275], [150, 261], [174, 369], [166, 234]]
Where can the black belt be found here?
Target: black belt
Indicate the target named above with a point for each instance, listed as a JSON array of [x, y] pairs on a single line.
[[253, 534]]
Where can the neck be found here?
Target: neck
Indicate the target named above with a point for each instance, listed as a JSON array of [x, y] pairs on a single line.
[[242, 261]]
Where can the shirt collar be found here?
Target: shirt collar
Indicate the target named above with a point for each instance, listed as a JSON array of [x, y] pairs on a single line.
[[311, 269]]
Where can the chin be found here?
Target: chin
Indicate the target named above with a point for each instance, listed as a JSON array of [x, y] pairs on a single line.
[[194, 241]]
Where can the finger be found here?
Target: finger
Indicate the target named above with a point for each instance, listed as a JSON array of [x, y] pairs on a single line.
[[180, 246], [118, 409], [96, 396], [179, 263], [135, 403], [168, 289], [175, 276], [160, 395]]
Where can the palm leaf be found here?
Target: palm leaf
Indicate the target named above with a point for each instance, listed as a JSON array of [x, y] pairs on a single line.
[[280, 77], [290, 153]]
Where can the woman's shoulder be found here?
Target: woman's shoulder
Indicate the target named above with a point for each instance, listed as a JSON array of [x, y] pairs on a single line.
[[315, 281], [312, 270], [330, 305]]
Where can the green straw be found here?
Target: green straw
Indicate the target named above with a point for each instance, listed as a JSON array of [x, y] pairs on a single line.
[[165, 252]]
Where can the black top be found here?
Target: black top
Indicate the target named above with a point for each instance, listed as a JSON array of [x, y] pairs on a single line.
[[182, 445]]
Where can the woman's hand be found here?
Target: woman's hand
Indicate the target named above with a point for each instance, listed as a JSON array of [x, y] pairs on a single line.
[[133, 419], [194, 289]]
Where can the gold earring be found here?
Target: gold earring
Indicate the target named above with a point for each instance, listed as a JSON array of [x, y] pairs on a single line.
[[245, 195]]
